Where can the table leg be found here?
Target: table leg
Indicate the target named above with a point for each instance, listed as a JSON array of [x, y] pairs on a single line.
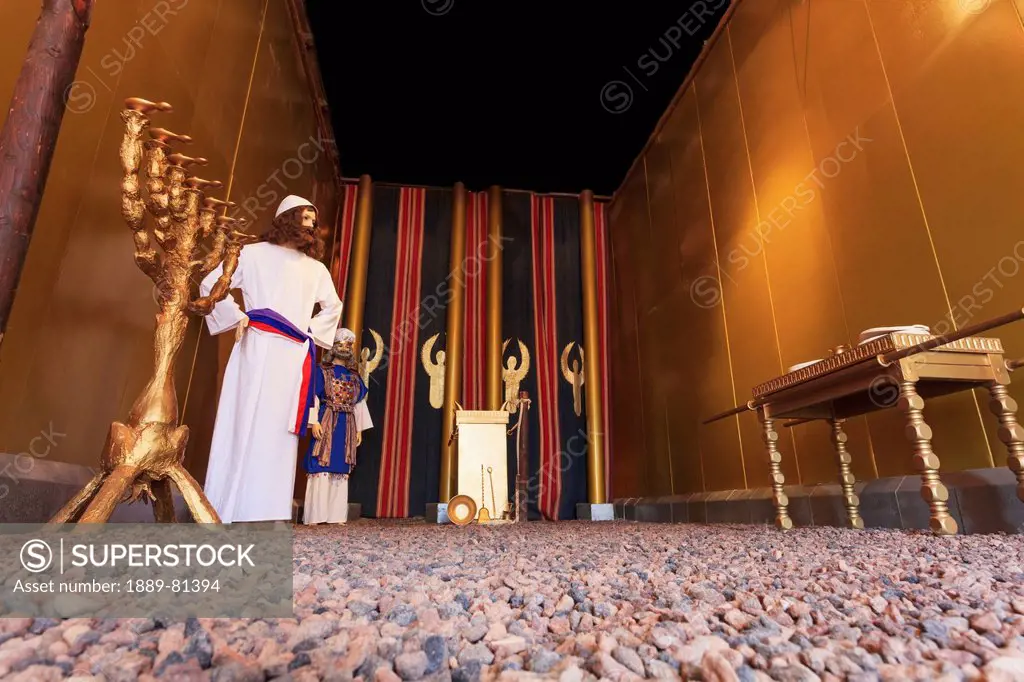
[[1010, 432], [846, 477], [771, 441], [926, 461]]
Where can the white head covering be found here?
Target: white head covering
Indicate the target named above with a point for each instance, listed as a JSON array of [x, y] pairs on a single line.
[[344, 335], [291, 201]]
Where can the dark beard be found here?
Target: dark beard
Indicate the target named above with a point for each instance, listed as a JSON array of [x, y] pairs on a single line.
[[347, 358]]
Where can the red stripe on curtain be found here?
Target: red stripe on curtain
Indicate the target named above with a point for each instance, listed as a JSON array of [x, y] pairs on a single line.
[[411, 355], [549, 472], [393, 485], [601, 227], [474, 272], [343, 233]]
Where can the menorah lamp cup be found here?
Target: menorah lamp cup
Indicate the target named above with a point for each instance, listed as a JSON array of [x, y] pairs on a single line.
[[145, 454]]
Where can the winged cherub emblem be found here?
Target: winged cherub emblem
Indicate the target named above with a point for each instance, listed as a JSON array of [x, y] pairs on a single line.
[[513, 374], [574, 376], [435, 371], [368, 364]]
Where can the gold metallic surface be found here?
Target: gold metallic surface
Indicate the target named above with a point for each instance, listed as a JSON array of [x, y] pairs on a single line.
[[91, 335], [435, 370], [771, 444], [846, 477], [791, 227], [872, 382], [743, 284], [494, 501], [513, 373], [574, 376], [492, 352], [484, 515], [888, 344], [963, 181], [150, 448], [1004, 407], [694, 247], [925, 461], [461, 510], [592, 340], [355, 292], [629, 466], [655, 324], [368, 362], [455, 326], [821, 132]]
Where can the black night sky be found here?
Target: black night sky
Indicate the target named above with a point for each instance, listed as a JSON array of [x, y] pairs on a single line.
[[549, 96]]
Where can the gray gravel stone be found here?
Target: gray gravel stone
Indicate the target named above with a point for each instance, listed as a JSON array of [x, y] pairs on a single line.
[[381, 599], [412, 666]]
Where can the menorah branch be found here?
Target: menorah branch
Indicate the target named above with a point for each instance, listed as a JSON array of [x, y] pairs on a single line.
[[204, 304]]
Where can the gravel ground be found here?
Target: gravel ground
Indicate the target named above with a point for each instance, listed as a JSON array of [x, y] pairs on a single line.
[[390, 601]]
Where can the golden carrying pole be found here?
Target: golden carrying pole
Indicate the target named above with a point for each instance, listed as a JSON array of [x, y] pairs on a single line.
[[355, 292], [493, 385], [592, 359], [144, 456], [454, 346]]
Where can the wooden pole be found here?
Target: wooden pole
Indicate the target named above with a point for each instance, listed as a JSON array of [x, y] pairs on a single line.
[[355, 292], [456, 323], [492, 377], [592, 342], [29, 136]]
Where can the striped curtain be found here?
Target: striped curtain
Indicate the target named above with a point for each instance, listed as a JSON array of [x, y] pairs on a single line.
[[474, 369], [408, 278], [343, 231], [543, 308]]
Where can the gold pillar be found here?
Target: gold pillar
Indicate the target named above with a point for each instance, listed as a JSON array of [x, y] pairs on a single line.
[[355, 292], [453, 346], [494, 280], [592, 357]]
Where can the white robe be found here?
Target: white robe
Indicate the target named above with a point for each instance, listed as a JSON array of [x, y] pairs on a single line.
[[327, 496], [251, 474]]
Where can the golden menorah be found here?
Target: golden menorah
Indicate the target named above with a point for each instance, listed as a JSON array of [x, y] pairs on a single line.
[[142, 457]]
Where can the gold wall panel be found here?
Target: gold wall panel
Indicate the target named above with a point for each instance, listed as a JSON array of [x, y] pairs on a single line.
[[862, 161], [743, 277], [658, 321], [64, 341], [791, 231], [969, 182], [79, 343], [881, 240], [696, 305], [629, 437]]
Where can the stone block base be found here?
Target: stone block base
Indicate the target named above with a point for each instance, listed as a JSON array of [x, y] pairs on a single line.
[[437, 512], [595, 512], [980, 500]]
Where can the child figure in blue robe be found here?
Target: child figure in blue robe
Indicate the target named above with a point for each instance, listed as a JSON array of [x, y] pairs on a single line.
[[337, 420]]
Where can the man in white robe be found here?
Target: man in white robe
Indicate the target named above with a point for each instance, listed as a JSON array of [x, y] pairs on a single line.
[[251, 472]]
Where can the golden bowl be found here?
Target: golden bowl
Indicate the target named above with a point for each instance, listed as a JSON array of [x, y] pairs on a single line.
[[461, 509]]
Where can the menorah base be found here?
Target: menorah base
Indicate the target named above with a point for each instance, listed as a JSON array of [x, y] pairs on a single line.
[[152, 442]]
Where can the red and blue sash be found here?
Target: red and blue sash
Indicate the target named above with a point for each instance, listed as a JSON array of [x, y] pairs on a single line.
[[267, 320]]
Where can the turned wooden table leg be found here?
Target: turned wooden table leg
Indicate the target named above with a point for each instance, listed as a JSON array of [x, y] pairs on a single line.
[[846, 477], [1010, 432], [771, 441], [920, 434]]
